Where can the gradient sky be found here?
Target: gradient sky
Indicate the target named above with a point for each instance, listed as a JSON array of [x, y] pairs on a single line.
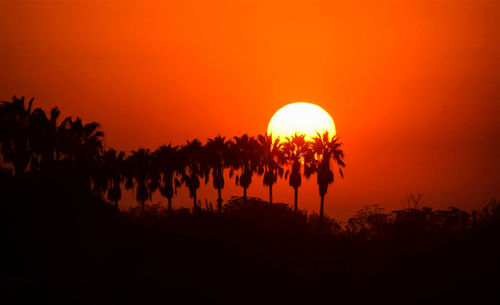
[[413, 86]]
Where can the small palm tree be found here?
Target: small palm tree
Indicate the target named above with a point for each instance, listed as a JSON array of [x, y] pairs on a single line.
[[218, 158], [114, 165], [271, 157], [168, 161], [244, 157], [325, 151], [194, 168], [294, 150], [138, 170]]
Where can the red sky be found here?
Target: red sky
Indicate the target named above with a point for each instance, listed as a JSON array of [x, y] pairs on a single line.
[[413, 86]]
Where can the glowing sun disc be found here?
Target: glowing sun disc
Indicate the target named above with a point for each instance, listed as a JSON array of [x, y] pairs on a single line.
[[300, 118]]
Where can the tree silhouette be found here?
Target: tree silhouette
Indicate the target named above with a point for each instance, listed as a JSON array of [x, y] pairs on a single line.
[[43, 138], [114, 167], [194, 168], [80, 142], [271, 156], [295, 150], [218, 158], [244, 157], [99, 176], [139, 169], [15, 133], [82, 146], [30, 136], [38, 138], [168, 161], [325, 151]]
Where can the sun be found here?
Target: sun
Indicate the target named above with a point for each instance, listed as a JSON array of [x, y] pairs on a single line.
[[300, 118]]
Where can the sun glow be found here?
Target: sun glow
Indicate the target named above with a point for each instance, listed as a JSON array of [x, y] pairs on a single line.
[[300, 118]]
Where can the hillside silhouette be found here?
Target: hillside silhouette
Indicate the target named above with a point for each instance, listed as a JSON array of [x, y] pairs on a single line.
[[66, 241]]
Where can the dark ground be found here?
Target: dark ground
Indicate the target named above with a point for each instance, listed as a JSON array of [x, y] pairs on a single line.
[[61, 244]]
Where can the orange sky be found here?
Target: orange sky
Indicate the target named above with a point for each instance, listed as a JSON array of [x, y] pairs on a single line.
[[413, 86]]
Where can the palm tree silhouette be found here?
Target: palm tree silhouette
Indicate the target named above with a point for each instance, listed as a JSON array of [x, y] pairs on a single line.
[[218, 158], [325, 150], [194, 168], [295, 150], [99, 176], [139, 170], [38, 137], [271, 157], [168, 161], [80, 141], [81, 144], [113, 164], [43, 138], [15, 133], [30, 137], [244, 156]]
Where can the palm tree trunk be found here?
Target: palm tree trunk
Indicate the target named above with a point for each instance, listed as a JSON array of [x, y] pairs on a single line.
[[244, 194], [219, 200], [194, 202], [295, 201], [321, 207], [143, 203], [170, 204], [116, 205], [270, 194]]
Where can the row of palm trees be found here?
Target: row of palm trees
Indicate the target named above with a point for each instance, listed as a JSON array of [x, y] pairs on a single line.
[[31, 138]]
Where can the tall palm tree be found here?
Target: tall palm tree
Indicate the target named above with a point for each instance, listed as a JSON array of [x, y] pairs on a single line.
[[244, 157], [271, 157], [295, 150], [15, 132], [326, 151], [218, 158], [195, 168], [168, 161]]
